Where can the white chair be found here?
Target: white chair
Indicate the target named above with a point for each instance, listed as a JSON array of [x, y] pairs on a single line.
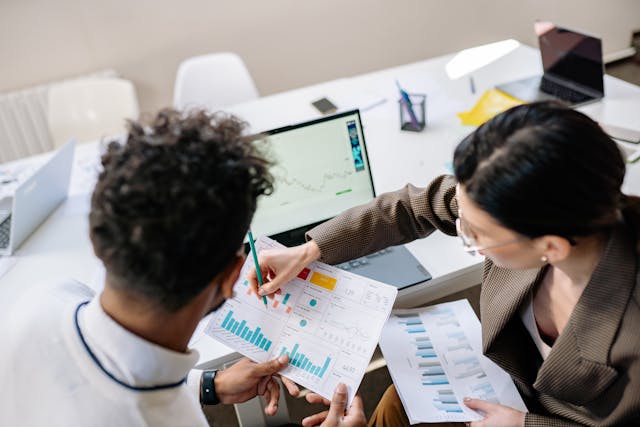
[[91, 108], [213, 82]]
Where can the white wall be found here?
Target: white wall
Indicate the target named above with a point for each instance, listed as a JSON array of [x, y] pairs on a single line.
[[286, 43]]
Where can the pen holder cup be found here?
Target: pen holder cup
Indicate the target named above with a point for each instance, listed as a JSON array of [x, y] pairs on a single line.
[[413, 116]]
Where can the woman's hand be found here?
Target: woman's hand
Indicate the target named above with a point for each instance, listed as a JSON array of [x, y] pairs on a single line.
[[336, 415], [495, 415], [278, 266]]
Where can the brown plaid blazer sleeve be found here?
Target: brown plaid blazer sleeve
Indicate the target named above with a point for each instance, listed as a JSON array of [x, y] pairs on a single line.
[[390, 219], [592, 376]]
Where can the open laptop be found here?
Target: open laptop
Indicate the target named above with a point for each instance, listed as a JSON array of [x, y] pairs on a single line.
[[34, 199], [321, 169], [573, 68]]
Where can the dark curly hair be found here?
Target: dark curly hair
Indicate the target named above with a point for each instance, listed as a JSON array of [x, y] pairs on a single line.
[[172, 205]]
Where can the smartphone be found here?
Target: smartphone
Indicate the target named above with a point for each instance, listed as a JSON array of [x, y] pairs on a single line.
[[324, 106]]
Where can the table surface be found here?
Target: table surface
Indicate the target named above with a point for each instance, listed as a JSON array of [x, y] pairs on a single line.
[[60, 247]]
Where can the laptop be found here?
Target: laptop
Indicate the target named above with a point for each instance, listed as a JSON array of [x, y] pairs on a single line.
[[321, 169], [34, 199], [573, 68]]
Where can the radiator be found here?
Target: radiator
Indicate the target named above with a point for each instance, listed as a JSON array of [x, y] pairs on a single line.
[[23, 120]]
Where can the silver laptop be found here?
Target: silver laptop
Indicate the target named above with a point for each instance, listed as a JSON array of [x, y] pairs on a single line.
[[34, 199], [573, 68], [321, 169]]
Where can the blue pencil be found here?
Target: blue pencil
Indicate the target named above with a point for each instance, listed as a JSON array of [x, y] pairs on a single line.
[[255, 261], [407, 102]]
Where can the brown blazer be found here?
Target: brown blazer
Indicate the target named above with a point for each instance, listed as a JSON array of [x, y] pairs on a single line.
[[591, 376]]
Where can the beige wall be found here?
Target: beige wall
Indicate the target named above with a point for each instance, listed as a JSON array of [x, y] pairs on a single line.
[[286, 43]]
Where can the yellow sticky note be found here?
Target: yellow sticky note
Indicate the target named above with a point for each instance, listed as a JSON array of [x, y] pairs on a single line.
[[491, 103]]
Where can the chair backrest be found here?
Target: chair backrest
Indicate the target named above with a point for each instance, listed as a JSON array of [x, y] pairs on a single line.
[[213, 82], [91, 108]]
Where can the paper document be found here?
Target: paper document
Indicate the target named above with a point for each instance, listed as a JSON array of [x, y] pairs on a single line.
[[327, 320], [490, 104], [434, 355]]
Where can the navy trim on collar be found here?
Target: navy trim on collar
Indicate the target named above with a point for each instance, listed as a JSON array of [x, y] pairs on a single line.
[[109, 374]]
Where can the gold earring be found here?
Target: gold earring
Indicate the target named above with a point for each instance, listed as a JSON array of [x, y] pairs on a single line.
[[544, 259]]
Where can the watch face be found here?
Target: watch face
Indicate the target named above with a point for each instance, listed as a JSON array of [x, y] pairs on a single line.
[[208, 395]]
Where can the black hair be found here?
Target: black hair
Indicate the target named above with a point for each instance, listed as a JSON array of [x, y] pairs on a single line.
[[543, 168], [172, 205]]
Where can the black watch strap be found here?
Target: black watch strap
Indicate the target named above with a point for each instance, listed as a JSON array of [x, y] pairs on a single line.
[[208, 394]]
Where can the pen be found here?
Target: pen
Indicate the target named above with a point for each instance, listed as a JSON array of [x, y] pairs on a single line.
[[255, 261], [407, 103]]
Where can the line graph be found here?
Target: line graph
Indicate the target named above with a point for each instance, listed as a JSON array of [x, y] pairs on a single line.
[[282, 177]]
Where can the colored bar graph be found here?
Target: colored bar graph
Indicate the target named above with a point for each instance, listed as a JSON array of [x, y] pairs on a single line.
[[242, 330], [426, 353], [286, 298], [300, 361], [225, 322], [435, 380], [446, 401]]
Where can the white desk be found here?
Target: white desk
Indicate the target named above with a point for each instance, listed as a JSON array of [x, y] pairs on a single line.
[[60, 248]]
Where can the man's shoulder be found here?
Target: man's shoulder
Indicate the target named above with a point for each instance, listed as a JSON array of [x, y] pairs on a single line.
[[42, 305]]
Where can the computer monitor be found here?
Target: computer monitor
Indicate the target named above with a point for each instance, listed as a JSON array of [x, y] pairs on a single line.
[[320, 168]]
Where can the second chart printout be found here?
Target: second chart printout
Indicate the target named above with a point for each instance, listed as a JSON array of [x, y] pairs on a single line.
[[434, 355], [327, 320]]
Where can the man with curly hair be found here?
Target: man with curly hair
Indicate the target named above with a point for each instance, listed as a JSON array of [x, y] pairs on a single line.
[[168, 217]]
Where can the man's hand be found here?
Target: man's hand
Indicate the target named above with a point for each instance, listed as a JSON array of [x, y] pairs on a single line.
[[278, 266], [496, 415], [247, 379], [336, 416]]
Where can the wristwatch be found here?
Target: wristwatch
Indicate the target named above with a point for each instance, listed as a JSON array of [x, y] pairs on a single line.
[[208, 394]]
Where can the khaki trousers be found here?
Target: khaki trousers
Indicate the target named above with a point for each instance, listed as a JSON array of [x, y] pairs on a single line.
[[390, 413]]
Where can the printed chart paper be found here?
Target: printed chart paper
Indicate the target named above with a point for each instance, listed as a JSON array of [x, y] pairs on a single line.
[[434, 355], [327, 320]]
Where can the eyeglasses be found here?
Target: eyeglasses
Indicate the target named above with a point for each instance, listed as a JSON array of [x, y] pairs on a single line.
[[469, 241]]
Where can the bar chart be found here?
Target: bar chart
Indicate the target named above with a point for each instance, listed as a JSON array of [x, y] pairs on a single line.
[[432, 373], [458, 340], [468, 367], [300, 361], [280, 302], [434, 355], [321, 319], [242, 330], [446, 401], [484, 391]]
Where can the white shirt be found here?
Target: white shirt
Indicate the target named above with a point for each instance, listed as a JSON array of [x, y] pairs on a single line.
[[529, 319], [65, 362]]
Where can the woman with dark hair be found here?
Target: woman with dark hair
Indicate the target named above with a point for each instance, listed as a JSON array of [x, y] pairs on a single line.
[[537, 192]]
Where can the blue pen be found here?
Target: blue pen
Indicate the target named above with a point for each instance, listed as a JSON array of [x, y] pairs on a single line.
[[407, 103], [255, 261]]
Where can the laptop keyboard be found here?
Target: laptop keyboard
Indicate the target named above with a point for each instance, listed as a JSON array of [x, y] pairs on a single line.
[[563, 92], [5, 233], [354, 264]]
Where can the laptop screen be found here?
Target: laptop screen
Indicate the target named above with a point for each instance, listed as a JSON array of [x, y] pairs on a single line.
[[572, 56], [320, 169]]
